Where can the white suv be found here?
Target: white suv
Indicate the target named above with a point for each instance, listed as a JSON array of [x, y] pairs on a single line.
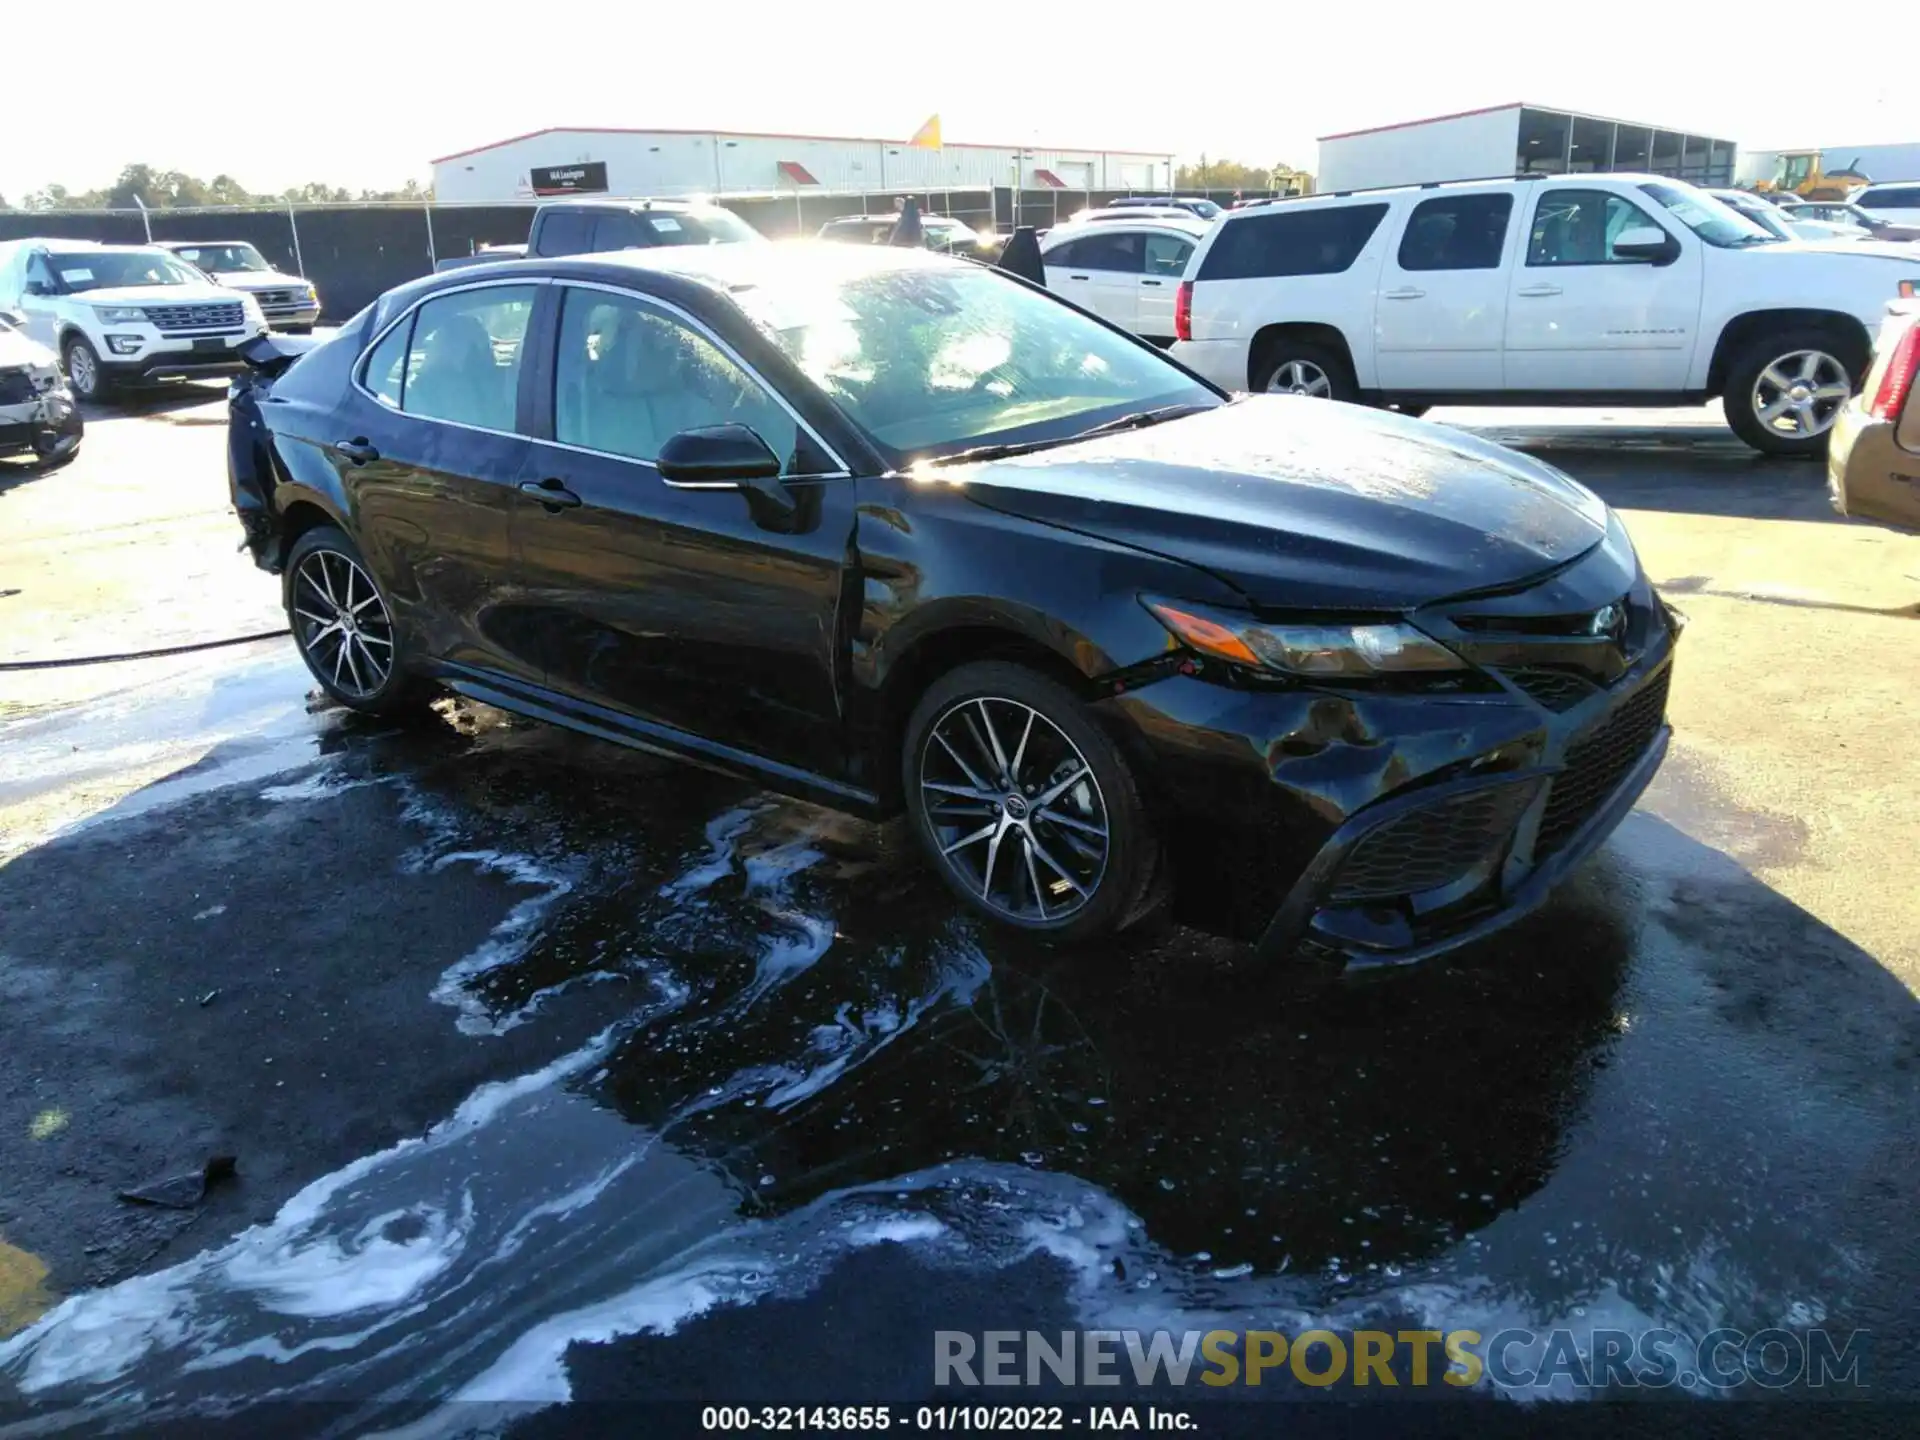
[[1548, 290], [125, 314]]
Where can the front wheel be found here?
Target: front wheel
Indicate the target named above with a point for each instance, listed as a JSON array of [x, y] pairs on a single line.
[[1025, 806], [343, 626], [82, 362], [1784, 392]]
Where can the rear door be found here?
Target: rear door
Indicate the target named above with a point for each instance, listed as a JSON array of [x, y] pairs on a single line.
[[1441, 308], [704, 612], [1580, 317], [1165, 256], [1105, 272], [428, 452]]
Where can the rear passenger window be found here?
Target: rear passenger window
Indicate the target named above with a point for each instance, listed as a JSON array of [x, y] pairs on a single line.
[[386, 370], [464, 362], [1124, 254], [1890, 197], [1320, 241], [1457, 232], [565, 232], [1062, 255], [1167, 255]]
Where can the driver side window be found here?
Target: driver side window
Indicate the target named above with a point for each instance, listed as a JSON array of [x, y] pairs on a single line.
[[629, 376], [1578, 227]]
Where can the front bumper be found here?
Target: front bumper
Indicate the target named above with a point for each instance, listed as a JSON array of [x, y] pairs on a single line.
[[1869, 475], [176, 364], [1387, 828], [47, 427], [279, 317]]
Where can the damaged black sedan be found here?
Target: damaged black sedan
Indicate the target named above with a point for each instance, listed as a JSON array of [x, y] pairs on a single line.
[[895, 532]]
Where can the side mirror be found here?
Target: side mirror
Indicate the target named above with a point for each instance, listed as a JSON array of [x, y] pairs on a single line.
[[1646, 242], [36, 287], [729, 457]]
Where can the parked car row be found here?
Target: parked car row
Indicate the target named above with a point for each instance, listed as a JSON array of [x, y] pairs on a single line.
[[37, 413]]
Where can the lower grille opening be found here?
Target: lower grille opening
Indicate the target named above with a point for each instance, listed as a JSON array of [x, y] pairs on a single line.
[[1558, 690], [1598, 761], [1430, 847]]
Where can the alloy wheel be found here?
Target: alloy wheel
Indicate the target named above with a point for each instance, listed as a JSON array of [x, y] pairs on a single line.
[[81, 370], [1300, 377], [1801, 393], [1015, 809], [342, 624]]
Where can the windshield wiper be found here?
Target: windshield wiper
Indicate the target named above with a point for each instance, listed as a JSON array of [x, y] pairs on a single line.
[[1140, 419], [1137, 420]]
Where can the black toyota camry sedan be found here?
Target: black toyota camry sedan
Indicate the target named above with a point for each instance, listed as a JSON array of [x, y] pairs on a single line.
[[893, 531]]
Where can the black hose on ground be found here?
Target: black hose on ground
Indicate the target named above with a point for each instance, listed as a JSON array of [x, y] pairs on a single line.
[[141, 654]]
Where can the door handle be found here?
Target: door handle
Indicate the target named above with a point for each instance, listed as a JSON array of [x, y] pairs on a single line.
[[1405, 292], [1537, 292], [1076, 277], [1150, 282], [550, 492], [356, 451]]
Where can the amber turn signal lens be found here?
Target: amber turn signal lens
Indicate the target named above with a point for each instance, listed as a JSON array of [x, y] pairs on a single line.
[[1205, 635]]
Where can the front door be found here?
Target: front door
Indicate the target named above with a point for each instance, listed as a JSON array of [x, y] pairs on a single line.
[[428, 454], [1441, 306], [1581, 318], [713, 613]]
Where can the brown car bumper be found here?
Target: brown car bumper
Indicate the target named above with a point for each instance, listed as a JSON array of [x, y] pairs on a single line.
[[1869, 475]]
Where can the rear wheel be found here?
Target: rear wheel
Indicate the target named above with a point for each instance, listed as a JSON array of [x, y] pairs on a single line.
[[343, 626], [1295, 367], [1025, 806], [1784, 392]]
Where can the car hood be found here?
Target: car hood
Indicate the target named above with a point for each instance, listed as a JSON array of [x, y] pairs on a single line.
[[1881, 249], [156, 295], [259, 280], [1309, 504], [18, 350]]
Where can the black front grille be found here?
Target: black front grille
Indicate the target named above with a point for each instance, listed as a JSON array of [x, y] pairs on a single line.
[[1556, 689], [214, 315], [1433, 846], [1573, 626], [1598, 761], [16, 387]]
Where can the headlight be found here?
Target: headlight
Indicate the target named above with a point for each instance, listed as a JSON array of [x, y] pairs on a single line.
[[312, 294], [1343, 651], [120, 314], [1909, 289]]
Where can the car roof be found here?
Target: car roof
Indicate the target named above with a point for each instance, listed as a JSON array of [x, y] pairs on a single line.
[[637, 202], [1191, 227], [886, 219], [199, 244]]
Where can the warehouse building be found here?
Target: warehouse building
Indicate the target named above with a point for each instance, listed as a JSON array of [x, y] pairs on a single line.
[[710, 162], [1517, 139]]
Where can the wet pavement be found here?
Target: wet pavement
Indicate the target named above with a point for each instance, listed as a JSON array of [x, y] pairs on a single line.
[[560, 1073]]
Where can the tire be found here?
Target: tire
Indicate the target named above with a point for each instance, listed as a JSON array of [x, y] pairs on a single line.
[[1297, 367], [1036, 872], [79, 359], [1771, 369], [50, 462], [326, 577]]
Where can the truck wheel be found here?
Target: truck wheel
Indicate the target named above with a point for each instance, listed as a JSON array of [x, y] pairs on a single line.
[[1294, 367], [82, 363], [1784, 391]]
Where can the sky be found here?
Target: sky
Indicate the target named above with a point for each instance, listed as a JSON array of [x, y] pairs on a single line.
[[390, 87]]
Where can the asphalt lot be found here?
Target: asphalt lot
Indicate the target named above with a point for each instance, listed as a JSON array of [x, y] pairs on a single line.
[[554, 1071]]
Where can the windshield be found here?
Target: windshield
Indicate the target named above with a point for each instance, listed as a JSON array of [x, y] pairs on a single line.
[[111, 269], [1718, 224], [212, 258], [937, 359], [699, 227], [1205, 209]]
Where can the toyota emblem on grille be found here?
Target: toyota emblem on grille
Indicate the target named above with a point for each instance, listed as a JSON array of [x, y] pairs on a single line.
[[1604, 620]]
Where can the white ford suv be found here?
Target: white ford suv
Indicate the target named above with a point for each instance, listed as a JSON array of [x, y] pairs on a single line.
[[125, 314], [1546, 290]]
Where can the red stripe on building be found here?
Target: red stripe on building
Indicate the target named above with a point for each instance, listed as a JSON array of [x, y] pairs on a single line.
[[797, 173]]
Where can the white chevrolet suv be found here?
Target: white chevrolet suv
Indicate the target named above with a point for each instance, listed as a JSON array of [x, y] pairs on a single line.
[[125, 314], [1543, 290]]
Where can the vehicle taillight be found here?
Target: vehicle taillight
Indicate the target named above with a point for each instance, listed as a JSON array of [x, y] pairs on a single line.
[[1183, 311], [1895, 385]]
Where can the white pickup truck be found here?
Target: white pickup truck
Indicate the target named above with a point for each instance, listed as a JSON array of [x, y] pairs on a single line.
[[1542, 290]]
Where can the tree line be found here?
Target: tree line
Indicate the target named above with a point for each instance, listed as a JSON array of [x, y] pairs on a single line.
[[172, 189]]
